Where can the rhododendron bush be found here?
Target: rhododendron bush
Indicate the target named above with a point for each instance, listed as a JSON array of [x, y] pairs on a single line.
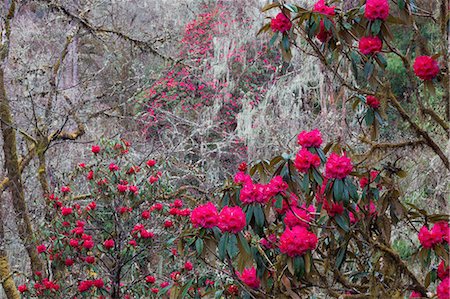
[[277, 229]]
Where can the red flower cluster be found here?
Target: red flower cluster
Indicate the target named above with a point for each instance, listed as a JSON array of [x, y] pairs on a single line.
[[299, 216], [108, 244], [249, 277], [66, 211], [95, 149], [86, 285], [373, 102], [296, 241], [338, 167], [443, 289], [322, 8], [333, 208], [426, 68], [280, 23], [370, 45], [231, 219], [364, 181], [304, 160], [41, 248], [310, 139], [438, 234], [205, 216], [260, 193], [377, 10], [443, 271], [45, 285], [22, 288]]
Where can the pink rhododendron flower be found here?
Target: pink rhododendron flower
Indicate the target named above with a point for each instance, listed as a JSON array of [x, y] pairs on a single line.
[[443, 289], [333, 208], [338, 167], [296, 241], [98, 283], [322, 8], [310, 139], [249, 277], [242, 178], [252, 193], [205, 216], [438, 234], [108, 244], [65, 189], [276, 185], [85, 285], [68, 262], [150, 279], [122, 188], [377, 10], [95, 149], [66, 211], [305, 160], [113, 167], [242, 167], [151, 163], [280, 23], [188, 266], [299, 216], [426, 68], [364, 181], [443, 271], [231, 219], [22, 288], [41, 248], [370, 45], [415, 294]]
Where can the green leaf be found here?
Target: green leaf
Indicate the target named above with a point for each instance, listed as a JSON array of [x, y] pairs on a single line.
[[291, 7], [305, 184], [285, 41], [376, 26], [186, 288], [232, 248], [259, 215], [342, 222], [223, 242], [249, 214], [382, 60], [327, 23], [353, 191], [244, 243], [401, 4], [299, 266], [273, 39], [279, 202], [368, 69], [338, 189], [199, 245], [340, 258], [317, 176], [218, 294], [313, 26], [379, 118], [370, 116]]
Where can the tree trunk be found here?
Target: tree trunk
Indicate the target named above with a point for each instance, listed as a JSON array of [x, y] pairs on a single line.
[[12, 167], [5, 271]]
